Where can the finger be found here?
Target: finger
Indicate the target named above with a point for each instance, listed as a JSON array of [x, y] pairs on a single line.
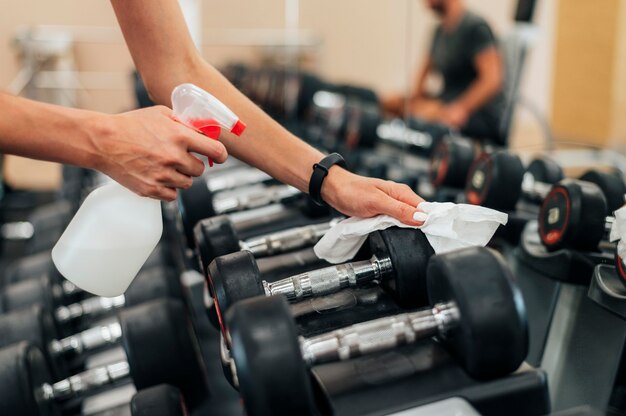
[[399, 210], [163, 193], [404, 193], [176, 179], [210, 148], [190, 165]]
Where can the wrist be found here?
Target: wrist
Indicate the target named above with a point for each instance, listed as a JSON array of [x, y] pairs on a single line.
[[97, 128], [335, 181]]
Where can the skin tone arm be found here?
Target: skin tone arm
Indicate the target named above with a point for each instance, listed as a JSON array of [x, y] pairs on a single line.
[[165, 56], [488, 65], [145, 150]]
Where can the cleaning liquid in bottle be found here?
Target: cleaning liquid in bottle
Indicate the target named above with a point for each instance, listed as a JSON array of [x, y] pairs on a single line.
[[114, 231]]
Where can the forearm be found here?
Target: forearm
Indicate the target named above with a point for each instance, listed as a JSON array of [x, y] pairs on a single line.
[[477, 95], [172, 59], [265, 143], [48, 132]]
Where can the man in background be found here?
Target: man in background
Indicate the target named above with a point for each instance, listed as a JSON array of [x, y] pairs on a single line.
[[464, 54]]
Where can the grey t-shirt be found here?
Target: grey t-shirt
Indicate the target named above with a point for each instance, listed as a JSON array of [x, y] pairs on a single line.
[[453, 55]]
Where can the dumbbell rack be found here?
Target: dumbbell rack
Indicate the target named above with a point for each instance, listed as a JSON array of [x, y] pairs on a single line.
[[570, 335]]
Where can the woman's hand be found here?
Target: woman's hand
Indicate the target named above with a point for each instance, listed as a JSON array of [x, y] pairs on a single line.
[[149, 153], [363, 197]]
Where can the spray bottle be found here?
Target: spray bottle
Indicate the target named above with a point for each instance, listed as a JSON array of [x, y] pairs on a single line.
[[114, 231]]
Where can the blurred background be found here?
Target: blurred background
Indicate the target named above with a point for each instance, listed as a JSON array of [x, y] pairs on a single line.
[[572, 85]]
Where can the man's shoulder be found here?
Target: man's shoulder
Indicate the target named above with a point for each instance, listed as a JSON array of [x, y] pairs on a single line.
[[472, 20]]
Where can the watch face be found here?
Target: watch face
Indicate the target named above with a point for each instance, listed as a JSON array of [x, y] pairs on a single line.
[[554, 216]]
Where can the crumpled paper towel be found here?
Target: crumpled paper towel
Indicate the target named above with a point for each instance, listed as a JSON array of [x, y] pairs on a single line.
[[618, 232], [447, 227]]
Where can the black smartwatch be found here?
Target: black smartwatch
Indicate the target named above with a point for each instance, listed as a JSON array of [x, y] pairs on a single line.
[[320, 171]]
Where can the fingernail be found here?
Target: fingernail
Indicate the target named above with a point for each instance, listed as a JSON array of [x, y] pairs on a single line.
[[420, 216]]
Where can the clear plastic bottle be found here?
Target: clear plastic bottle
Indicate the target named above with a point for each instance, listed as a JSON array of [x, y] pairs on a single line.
[[114, 231]]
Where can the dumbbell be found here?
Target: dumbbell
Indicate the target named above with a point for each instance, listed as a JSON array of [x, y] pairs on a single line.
[[36, 265], [161, 400], [498, 180], [398, 263], [149, 284], [451, 161], [357, 122], [481, 321], [574, 215], [152, 358], [195, 205], [218, 235], [35, 325]]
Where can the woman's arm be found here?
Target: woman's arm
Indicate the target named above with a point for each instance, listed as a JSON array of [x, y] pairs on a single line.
[[144, 150], [164, 54]]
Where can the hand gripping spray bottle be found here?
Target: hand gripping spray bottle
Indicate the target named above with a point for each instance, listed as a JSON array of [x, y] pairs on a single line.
[[114, 231]]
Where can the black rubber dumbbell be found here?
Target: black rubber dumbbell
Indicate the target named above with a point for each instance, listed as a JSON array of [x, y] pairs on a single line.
[[197, 202], [217, 236], [350, 117], [620, 267], [481, 320], [574, 215], [161, 400], [35, 325], [498, 180], [36, 265], [451, 161], [398, 263], [149, 284], [165, 353]]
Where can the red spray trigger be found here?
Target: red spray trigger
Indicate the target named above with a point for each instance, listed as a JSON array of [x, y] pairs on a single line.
[[211, 131]]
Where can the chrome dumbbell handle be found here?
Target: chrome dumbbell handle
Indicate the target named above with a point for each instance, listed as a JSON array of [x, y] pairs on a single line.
[[89, 307], [397, 133], [87, 340], [379, 335], [533, 188], [291, 239], [240, 177], [84, 382], [329, 279], [256, 197]]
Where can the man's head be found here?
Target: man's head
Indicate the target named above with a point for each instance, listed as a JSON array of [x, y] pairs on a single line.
[[440, 7]]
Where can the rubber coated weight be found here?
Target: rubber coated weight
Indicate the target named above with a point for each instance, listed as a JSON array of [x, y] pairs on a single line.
[[22, 370], [194, 204], [409, 252], [161, 400], [620, 268], [612, 187], [163, 353], [545, 170], [29, 267], [273, 380], [29, 292], [34, 325], [573, 215], [361, 124], [231, 278], [491, 338], [450, 162], [495, 181], [154, 283], [215, 237]]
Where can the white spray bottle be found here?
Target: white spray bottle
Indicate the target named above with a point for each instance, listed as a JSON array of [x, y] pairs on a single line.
[[114, 231]]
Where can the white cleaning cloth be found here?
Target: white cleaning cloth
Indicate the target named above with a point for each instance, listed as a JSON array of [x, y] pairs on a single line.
[[447, 227], [618, 231]]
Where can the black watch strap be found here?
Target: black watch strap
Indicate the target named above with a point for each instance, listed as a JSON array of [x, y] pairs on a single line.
[[320, 171]]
